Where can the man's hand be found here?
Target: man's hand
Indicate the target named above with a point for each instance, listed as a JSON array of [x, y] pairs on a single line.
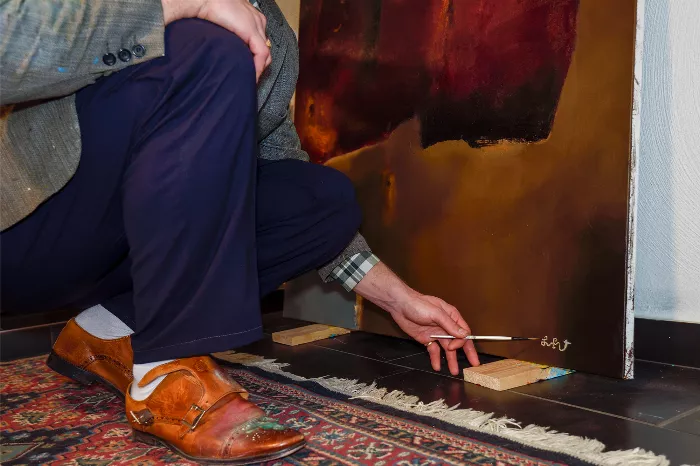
[[238, 16], [419, 315]]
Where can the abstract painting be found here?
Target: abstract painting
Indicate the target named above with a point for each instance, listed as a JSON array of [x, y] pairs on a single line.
[[490, 143]]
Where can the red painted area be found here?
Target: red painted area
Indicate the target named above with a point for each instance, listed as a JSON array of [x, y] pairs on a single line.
[[477, 70]]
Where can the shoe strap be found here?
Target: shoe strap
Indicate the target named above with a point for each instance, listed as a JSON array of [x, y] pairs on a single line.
[[213, 381], [217, 382]]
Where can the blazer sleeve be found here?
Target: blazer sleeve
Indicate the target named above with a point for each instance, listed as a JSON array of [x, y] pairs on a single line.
[[54, 48], [283, 143]]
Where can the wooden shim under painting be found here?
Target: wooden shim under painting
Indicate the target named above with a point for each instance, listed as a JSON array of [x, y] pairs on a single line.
[[510, 373], [307, 334]]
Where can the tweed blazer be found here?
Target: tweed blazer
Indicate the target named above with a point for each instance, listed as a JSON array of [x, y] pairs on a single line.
[[50, 50]]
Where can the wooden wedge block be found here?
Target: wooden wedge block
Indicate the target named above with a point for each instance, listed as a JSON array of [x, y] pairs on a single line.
[[511, 373], [301, 335], [238, 358]]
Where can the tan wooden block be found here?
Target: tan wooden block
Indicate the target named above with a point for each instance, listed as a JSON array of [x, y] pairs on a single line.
[[239, 358], [301, 335], [511, 373]]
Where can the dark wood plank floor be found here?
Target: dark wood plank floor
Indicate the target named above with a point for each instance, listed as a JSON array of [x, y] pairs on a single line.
[[659, 410]]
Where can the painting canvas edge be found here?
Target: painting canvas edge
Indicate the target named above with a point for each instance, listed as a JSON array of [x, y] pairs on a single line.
[[628, 369]]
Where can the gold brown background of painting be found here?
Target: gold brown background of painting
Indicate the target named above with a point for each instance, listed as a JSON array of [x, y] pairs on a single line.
[[525, 239]]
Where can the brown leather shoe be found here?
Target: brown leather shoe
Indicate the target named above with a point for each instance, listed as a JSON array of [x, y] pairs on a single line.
[[199, 413], [87, 359]]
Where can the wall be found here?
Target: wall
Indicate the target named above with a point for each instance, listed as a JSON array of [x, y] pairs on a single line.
[[290, 8], [668, 216]]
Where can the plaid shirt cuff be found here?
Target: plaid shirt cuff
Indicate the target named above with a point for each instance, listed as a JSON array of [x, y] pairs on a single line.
[[352, 270]]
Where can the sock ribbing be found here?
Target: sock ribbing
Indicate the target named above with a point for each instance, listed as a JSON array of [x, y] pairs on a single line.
[[101, 323]]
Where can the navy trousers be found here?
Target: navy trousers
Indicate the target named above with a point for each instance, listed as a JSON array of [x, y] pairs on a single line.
[[171, 220]]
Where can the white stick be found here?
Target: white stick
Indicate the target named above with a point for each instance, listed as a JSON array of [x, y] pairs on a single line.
[[473, 337]]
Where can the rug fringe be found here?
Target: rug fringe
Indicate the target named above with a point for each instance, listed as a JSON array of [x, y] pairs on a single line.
[[533, 436]]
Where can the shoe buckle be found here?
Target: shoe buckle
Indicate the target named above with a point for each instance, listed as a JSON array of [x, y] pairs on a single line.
[[143, 417], [197, 412]]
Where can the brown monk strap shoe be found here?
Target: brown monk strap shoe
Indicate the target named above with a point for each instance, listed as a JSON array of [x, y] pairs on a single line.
[[200, 414], [87, 359]]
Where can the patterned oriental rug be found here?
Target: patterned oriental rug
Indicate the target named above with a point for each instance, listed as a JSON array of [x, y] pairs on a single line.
[[47, 419]]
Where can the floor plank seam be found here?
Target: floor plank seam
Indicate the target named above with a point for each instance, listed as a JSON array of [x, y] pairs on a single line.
[[638, 421], [678, 417], [407, 356], [353, 354], [669, 364], [391, 375]]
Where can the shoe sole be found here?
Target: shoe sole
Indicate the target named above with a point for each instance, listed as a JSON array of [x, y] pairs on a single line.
[[149, 439], [75, 373]]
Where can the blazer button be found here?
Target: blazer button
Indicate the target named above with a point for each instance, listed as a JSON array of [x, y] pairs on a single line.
[[109, 59], [138, 50], [124, 55]]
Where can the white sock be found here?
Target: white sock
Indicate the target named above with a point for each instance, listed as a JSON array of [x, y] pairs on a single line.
[[101, 323], [140, 370]]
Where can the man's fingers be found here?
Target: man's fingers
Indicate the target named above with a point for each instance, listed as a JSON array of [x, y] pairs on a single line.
[[450, 326], [260, 25], [261, 53], [454, 345], [262, 19], [471, 353], [451, 357], [259, 66], [469, 348], [453, 322], [449, 319], [434, 352], [457, 317]]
